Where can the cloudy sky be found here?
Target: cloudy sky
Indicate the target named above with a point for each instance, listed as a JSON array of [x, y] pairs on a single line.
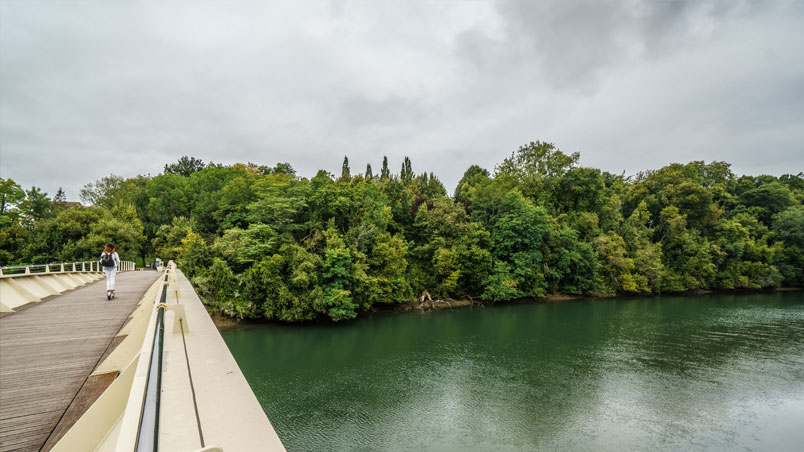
[[89, 88]]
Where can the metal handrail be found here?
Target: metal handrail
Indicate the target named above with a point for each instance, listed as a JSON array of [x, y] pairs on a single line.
[[148, 431]]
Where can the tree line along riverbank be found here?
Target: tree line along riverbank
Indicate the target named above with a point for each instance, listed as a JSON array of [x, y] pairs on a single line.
[[261, 242], [423, 304]]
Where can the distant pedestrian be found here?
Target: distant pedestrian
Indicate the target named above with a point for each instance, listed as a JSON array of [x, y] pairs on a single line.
[[110, 260]]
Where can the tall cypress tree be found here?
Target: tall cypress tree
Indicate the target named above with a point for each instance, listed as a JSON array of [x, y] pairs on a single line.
[[369, 174], [60, 196], [345, 172], [407, 171], [386, 173]]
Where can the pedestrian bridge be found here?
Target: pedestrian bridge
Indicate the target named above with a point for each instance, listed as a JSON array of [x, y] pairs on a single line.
[[146, 371]]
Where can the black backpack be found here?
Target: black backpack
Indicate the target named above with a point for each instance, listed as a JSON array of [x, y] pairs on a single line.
[[107, 260]]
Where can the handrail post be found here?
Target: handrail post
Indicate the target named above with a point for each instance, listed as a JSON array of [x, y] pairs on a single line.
[[61, 268], [27, 269]]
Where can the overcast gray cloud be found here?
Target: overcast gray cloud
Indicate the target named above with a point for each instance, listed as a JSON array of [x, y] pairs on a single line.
[[98, 87]]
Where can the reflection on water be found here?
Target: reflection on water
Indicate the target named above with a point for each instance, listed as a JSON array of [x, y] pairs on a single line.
[[715, 372]]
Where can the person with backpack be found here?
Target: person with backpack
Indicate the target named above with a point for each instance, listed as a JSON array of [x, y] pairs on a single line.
[[109, 260]]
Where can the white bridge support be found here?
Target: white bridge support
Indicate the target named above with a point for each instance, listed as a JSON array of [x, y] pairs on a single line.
[[25, 284], [203, 393]]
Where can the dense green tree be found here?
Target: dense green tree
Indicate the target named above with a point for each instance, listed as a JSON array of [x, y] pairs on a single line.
[[281, 202], [119, 226], [571, 265], [63, 239], [283, 168], [105, 192], [207, 189], [301, 296], [168, 240], [233, 200], [447, 242], [676, 186], [194, 257], [519, 239], [648, 270], [384, 280], [579, 189], [80, 233], [534, 168], [36, 206], [472, 177], [537, 159], [789, 228], [768, 200], [688, 256], [336, 278], [616, 274], [185, 166], [13, 237], [11, 194]]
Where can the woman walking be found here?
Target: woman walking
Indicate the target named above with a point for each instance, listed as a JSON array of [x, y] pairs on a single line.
[[109, 260]]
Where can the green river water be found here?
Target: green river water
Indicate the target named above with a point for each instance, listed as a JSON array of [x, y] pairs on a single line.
[[686, 373]]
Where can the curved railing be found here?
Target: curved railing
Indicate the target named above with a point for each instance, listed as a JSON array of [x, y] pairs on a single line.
[[23, 284], [62, 267]]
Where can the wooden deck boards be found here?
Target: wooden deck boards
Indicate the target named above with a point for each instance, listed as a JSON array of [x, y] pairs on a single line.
[[47, 351]]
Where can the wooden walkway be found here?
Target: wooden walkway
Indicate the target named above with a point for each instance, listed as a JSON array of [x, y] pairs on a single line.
[[48, 350]]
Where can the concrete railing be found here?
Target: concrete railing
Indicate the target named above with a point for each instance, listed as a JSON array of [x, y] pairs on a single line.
[[23, 284], [177, 388]]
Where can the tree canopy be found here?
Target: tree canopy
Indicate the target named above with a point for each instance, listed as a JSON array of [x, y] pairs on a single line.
[[261, 242]]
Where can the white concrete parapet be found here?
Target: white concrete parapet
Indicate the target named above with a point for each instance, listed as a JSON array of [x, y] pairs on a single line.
[[203, 392]]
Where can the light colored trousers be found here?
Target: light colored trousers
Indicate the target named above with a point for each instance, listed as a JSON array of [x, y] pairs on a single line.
[[110, 273]]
